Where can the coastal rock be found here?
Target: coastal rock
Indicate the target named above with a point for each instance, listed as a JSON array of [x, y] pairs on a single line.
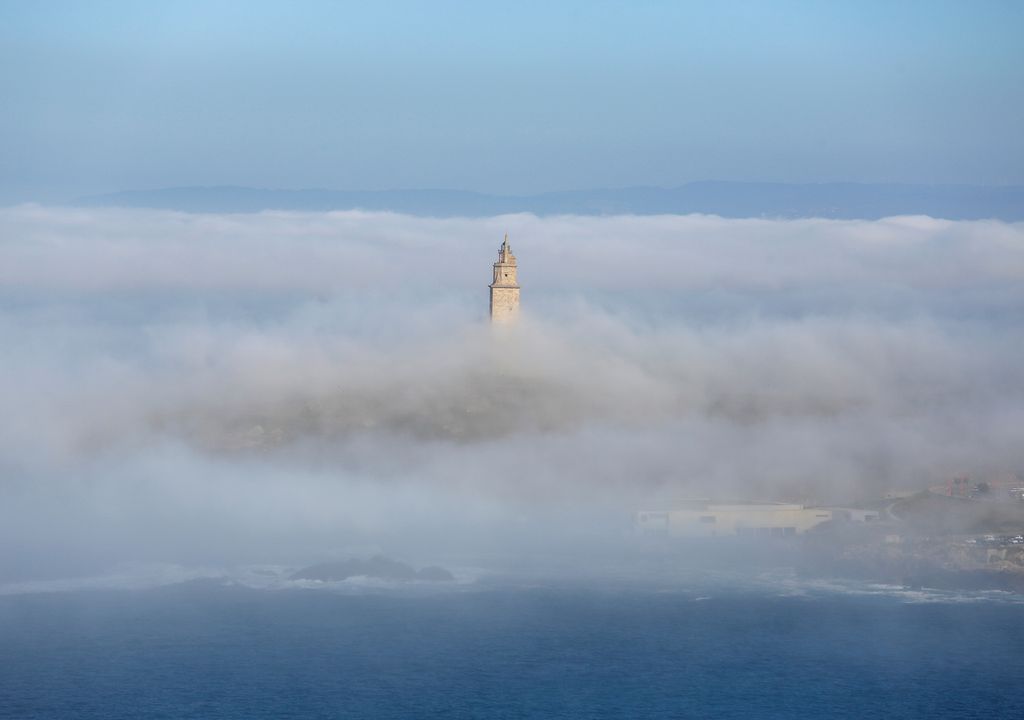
[[378, 567], [435, 574]]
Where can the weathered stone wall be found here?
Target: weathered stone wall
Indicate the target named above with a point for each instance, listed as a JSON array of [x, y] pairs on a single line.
[[504, 303]]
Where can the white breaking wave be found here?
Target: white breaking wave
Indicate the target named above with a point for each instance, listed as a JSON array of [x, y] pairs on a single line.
[[148, 576], [704, 587], [789, 584]]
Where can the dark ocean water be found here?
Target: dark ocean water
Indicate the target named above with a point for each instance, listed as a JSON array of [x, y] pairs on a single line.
[[203, 650]]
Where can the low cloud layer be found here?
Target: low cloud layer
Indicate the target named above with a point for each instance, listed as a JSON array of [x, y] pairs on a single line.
[[96, 249], [243, 385]]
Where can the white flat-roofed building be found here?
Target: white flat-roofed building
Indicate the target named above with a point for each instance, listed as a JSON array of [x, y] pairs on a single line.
[[730, 520]]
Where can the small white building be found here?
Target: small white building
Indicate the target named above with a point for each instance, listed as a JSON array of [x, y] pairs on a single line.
[[729, 520]]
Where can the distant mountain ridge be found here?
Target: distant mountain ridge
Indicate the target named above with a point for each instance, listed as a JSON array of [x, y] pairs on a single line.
[[727, 199]]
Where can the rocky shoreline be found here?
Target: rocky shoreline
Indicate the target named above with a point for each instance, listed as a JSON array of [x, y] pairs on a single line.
[[377, 567], [945, 563]]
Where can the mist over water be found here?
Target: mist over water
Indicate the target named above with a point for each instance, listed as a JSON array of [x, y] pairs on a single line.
[[283, 387]]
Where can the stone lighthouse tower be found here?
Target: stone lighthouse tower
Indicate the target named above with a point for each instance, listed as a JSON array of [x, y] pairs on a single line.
[[505, 288]]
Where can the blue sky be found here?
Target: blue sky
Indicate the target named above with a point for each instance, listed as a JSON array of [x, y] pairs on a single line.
[[505, 97]]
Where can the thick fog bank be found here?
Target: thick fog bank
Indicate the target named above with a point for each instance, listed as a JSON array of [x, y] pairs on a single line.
[[279, 385]]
